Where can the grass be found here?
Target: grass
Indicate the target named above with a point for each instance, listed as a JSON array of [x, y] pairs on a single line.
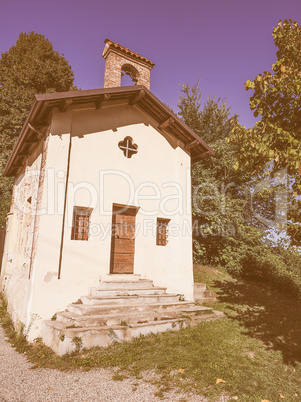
[[255, 350], [211, 276]]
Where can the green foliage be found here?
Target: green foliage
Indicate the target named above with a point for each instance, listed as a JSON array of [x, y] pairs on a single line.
[[53, 318], [277, 266], [28, 68], [16, 337], [227, 233], [118, 377], [277, 100], [77, 342]]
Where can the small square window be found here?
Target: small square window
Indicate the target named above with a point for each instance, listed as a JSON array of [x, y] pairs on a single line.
[[162, 231], [81, 223]]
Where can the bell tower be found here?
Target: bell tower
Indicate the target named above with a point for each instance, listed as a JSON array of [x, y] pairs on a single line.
[[121, 61]]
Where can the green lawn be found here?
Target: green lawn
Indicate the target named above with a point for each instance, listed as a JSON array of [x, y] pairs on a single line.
[[254, 350]]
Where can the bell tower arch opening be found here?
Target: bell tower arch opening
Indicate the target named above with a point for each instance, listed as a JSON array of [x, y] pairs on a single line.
[[129, 72]]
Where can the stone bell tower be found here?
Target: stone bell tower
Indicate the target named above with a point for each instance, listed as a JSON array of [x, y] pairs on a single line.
[[121, 61]]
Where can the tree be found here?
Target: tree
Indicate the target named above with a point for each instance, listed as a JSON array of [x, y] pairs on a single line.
[[225, 231], [220, 199], [276, 137], [28, 68]]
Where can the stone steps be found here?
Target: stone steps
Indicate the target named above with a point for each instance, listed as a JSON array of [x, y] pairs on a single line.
[[125, 284], [128, 317], [119, 311], [115, 308], [134, 291], [202, 295], [116, 299]]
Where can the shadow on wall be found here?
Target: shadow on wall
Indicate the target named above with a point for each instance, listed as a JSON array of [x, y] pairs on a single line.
[[86, 122], [268, 315]]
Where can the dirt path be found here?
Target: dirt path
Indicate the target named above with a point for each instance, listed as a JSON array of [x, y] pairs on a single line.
[[18, 382]]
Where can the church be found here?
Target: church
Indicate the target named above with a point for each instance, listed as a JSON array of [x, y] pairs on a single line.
[[102, 195]]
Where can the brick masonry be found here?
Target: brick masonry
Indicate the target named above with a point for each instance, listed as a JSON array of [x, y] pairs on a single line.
[[26, 200], [115, 62]]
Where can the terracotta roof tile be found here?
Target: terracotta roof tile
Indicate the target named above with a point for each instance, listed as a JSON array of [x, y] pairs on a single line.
[[126, 51]]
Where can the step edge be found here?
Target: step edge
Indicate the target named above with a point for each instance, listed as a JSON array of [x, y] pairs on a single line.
[[111, 327]]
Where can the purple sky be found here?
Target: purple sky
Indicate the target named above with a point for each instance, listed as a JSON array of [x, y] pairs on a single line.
[[223, 42]]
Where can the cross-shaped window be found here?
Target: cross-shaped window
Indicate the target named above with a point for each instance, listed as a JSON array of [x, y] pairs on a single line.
[[128, 147]]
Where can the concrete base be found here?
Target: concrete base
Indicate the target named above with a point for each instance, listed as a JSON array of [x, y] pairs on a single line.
[[119, 311]]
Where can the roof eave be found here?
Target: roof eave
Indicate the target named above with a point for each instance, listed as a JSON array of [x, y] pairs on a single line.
[[22, 135], [63, 99]]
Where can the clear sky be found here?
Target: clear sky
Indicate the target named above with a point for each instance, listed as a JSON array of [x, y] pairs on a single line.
[[223, 42]]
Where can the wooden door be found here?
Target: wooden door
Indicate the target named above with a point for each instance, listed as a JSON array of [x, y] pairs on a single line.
[[123, 239]]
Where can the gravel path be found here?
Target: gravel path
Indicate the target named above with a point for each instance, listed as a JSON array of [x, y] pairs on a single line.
[[19, 383]]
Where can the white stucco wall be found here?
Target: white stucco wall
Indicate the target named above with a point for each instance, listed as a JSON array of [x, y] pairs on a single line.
[[14, 279], [156, 179]]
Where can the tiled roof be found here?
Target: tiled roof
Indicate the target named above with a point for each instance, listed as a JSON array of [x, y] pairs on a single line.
[[125, 50], [37, 122]]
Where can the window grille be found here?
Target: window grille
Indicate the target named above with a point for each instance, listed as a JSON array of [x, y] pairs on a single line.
[[162, 231], [81, 223]]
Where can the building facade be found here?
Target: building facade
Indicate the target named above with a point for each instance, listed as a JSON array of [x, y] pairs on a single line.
[[102, 191]]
